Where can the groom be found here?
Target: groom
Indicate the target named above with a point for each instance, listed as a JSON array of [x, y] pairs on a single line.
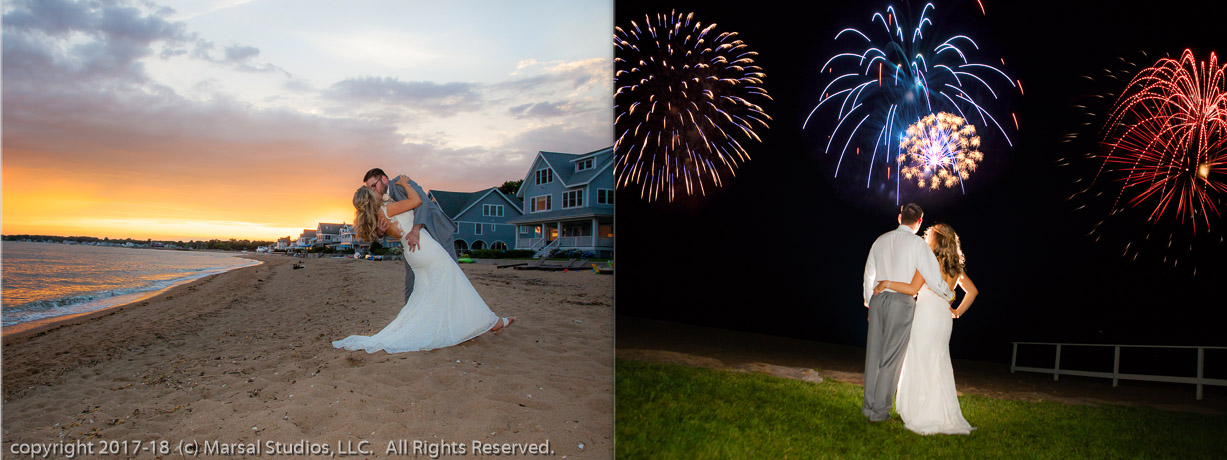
[[894, 256], [426, 215]]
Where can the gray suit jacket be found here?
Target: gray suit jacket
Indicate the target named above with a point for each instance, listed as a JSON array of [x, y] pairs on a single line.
[[428, 215]]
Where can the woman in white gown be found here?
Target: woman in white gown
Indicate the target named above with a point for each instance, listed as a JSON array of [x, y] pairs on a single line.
[[926, 399], [443, 309]]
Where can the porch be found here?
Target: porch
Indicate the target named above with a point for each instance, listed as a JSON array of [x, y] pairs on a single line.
[[593, 234]]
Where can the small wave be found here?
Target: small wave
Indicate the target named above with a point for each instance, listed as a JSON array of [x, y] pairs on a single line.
[[85, 303]]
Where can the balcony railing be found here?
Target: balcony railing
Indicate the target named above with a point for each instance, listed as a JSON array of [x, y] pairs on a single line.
[[567, 242], [532, 244]]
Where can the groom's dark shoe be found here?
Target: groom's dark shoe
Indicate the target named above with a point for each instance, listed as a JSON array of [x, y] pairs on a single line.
[[873, 417]]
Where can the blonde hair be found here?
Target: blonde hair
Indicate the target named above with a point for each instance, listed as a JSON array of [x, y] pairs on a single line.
[[947, 248], [366, 217]]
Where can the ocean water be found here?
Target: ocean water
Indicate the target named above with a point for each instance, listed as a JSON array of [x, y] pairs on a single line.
[[39, 281]]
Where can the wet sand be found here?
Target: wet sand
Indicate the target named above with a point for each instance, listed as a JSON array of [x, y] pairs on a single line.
[[245, 357]]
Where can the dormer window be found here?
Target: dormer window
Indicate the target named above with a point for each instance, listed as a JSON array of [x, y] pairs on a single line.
[[583, 165], [545, 176]]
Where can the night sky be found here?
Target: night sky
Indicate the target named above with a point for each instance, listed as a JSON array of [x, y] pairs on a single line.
[[781, 248]]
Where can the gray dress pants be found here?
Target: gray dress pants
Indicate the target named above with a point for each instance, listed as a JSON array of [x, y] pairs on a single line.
[[890, 326]]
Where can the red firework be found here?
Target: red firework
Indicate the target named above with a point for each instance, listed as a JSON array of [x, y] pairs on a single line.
[[1166, 138]]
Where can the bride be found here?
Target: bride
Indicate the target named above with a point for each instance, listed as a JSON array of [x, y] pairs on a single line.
[[926, 399], [443, 309]]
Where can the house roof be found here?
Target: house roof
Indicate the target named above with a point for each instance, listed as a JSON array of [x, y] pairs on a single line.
[[330, 229], [564, 168], [456, 203], [451, 202]]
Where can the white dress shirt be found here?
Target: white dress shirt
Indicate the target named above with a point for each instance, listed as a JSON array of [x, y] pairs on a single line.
[[896, 256]]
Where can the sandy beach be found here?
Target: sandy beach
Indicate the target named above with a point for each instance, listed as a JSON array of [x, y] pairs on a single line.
[[244, 359]]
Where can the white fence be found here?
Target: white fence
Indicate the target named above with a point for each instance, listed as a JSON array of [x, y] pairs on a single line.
[[1115, 375]]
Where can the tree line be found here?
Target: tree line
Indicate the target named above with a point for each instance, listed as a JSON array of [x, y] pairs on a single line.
[[215, 244]]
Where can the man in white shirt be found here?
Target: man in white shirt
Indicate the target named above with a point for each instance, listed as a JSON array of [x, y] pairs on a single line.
[[895, 256]]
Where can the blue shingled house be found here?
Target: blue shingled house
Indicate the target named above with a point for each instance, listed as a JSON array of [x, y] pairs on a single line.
[[568, 203], [481, 218]]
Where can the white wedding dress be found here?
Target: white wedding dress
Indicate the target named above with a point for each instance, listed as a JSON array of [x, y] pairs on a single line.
[[442, 311], [926, 399]]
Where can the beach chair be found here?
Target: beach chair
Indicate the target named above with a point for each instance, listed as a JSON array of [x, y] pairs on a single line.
[[517, 264], [535, 265]]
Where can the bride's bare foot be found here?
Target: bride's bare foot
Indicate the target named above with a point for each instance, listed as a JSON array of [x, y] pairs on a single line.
[[502, 324]]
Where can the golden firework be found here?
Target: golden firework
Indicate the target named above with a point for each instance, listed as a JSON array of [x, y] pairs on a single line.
[[940, 150]]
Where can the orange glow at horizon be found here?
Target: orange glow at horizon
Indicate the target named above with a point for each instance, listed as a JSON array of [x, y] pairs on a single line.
[[108, 205]]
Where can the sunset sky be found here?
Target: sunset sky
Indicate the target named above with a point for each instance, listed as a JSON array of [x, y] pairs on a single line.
[[256, 119]]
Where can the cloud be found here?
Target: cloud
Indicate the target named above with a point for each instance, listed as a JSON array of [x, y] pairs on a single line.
[[441, 99], [573, 75], [237, 57], [58, 41], [539, 110], [80, 106]]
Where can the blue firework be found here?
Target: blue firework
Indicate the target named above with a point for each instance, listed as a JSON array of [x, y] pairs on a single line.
[[895, 74]]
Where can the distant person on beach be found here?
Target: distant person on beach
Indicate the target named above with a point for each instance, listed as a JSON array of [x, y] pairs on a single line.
[[896, 255], [427, 215], [442, 309]]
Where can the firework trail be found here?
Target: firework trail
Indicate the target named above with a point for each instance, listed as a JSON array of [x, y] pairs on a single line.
[[686, 103], [895, 74], [1155, 171], [1166, 139], [943, 150]]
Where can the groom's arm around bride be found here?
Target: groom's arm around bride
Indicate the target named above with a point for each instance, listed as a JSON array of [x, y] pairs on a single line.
[[427, 215]]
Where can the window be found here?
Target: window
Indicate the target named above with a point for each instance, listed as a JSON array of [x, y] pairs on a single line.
[[583, 165], [604, 196], [545, 176], [527, 229], [542, 203], [573, 199], [493, 227], [477, 228], [492, 210]]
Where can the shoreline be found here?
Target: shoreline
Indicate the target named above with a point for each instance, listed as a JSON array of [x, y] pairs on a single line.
[[42, 324]]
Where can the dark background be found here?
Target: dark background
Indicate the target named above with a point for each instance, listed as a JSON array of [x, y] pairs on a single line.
[[781, 248]]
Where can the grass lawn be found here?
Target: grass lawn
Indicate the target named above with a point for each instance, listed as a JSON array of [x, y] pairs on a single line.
[[672, 411]]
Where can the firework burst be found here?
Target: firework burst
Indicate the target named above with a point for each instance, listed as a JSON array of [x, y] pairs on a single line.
[[943, 151], [687, 102], [1166, 140], [895, 74], [1154, 174]]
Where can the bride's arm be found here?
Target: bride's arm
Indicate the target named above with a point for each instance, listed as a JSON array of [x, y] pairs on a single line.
[[390, 228], [909, 289], [970, 288], [407, 204]]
